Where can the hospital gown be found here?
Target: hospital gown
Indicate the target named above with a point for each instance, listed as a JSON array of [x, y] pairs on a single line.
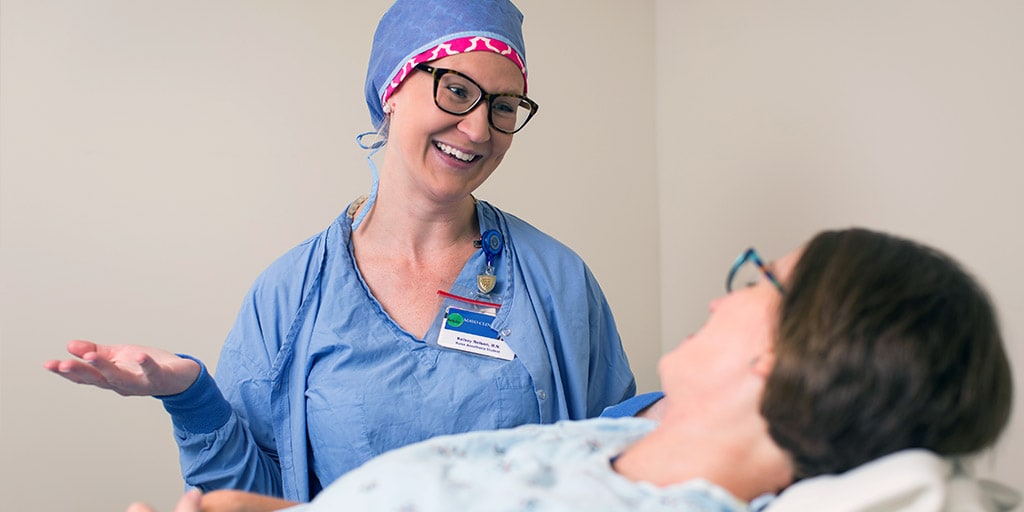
[[537, 468]]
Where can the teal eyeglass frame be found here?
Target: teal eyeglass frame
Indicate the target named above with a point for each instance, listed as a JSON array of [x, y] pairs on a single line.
[[751, 255]]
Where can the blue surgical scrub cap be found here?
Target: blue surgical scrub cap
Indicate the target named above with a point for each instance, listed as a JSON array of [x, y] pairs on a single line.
[[410, 27]]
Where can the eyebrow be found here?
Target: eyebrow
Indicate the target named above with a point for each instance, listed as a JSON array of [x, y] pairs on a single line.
[[515, 90]]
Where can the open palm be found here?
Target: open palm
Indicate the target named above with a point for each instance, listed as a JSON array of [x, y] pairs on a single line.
[[128, 370]]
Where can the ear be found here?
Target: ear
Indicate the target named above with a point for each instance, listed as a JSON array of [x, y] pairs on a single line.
[[762, 365]]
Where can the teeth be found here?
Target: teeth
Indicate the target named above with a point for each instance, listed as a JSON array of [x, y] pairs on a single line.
[[454, 152]]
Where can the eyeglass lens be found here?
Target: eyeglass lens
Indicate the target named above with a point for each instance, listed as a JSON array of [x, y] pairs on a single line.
[[457, 95]]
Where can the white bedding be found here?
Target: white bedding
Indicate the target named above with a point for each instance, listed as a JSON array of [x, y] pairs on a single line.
[[907, 481]]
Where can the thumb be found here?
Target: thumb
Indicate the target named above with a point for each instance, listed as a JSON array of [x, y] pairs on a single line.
[[189, 502], [139, 507]]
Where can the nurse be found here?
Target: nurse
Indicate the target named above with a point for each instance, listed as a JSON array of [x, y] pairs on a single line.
[[419, 311]]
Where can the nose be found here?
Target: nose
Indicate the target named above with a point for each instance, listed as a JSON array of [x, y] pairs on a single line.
[[475, 123], [713, 305]]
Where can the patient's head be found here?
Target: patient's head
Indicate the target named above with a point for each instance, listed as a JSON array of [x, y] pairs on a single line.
[[883, 344]]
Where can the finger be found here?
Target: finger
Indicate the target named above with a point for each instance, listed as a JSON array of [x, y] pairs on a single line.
[[81, 347], [102, 364], [125, 381], [148, 365], [170, 375], [141, 507], [189, 502], [79, 372], [73, 377], [155, 374]]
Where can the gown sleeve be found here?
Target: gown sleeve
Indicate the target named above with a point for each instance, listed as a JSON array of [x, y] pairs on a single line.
[[225, 428], [611, 379]]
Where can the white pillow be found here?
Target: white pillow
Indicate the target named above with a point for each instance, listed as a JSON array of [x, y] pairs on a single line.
[[906, 481]]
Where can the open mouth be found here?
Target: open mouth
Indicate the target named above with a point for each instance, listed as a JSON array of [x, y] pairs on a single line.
[[455, 153]]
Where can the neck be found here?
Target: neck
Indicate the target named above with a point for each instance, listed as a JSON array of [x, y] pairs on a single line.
[[743, 460], [405, 224]]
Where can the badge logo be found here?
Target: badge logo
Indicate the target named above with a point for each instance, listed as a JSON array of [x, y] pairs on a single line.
[[485, 282], [455, 319]]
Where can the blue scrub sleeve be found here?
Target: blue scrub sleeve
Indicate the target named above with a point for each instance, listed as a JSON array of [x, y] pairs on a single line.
[[201, 408], [633, 406]]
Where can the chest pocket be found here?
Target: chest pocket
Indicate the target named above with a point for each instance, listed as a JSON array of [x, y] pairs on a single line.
[[361, 406], [459, 393]]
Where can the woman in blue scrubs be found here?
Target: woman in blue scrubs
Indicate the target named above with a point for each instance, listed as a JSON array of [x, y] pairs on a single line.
[[419, 311]]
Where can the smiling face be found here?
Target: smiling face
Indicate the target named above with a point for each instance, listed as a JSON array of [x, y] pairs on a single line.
[[440, 156], [733, 345]]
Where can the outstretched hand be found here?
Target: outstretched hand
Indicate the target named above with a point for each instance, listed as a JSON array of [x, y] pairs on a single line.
[[221, 501], [129, 370]]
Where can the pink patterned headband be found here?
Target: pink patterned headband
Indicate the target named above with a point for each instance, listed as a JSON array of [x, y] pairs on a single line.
[[453, 47]]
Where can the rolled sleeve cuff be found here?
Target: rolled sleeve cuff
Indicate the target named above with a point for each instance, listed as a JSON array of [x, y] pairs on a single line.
[[201, 408]]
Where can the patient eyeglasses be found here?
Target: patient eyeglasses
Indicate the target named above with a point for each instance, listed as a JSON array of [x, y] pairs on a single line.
[[458, 94], [747, 270]]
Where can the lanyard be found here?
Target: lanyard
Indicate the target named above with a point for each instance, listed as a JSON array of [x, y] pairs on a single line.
[[491, 244]]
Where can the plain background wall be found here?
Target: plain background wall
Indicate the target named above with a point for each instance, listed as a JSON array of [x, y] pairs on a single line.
[[155, 156], [778, 119]]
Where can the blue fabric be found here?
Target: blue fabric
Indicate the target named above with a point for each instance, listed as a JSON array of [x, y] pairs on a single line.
[[410, 27], [181, 404], [633, 406], [313, 351], [538, 468]]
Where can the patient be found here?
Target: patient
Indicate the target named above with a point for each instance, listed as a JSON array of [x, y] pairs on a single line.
[[858, 346]]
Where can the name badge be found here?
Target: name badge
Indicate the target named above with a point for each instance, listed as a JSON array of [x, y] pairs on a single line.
[[470, 331]]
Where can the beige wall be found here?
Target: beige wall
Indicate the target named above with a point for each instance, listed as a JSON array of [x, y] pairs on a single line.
[[155, 156], [778, 119]]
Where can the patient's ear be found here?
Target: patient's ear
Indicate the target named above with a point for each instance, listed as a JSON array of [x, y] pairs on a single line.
[[762, 365]]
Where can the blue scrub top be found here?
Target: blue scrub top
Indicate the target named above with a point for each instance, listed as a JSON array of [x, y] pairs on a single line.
[[312, 351]]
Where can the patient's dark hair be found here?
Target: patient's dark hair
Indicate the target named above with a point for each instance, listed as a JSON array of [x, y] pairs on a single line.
[[883, 344]]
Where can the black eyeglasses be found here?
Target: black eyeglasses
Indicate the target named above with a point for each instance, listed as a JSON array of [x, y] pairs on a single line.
[[458, 94], [749, 267]]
